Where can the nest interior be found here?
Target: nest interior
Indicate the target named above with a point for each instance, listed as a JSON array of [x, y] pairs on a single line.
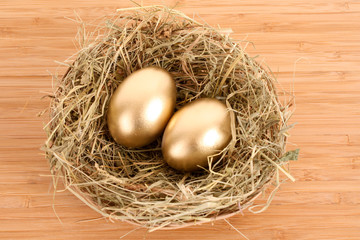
[[136, 185]]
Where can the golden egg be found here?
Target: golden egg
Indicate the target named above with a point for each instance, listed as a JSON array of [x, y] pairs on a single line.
[[198, 130], [141, 107]]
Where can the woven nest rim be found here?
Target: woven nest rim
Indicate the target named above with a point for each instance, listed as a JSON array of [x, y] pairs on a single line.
[[136, 185]]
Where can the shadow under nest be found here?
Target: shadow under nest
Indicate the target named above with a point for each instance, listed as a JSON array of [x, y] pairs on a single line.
[[136, 185]]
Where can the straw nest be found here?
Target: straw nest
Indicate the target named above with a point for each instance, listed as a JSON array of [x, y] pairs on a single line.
[[135, 185]]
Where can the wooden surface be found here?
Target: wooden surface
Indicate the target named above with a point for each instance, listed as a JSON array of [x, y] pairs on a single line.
[[321, 36]]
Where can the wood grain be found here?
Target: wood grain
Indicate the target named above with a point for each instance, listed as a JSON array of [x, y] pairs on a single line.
[[319, 40]]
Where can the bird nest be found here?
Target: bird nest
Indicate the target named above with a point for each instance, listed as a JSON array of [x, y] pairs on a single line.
[[136, 185]]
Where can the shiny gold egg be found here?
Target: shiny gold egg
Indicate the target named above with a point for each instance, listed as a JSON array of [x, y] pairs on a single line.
[[141, 106], [198, 130]]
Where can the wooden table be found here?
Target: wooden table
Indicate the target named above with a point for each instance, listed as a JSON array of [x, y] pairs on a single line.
[[312, 44]]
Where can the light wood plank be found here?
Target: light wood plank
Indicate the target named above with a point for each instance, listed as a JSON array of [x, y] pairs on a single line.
[[321, 37]]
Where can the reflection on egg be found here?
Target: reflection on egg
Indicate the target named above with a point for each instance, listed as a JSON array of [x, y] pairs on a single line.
[[198, 130], [141, 106]]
